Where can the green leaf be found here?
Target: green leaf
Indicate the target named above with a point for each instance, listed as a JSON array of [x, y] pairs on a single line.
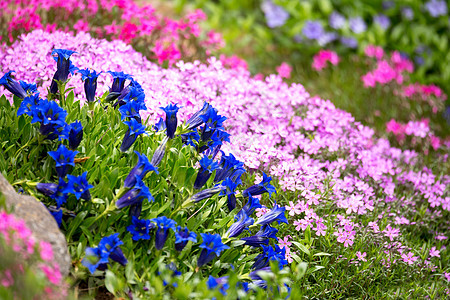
[[302, 248]]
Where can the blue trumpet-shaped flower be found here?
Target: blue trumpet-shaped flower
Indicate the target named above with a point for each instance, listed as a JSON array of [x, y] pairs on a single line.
[[191, 138], [140, 229], [212, 122], [48, 189], [64, 67], [97, 258], [251, 205], [75, 134], [263, 187], [207, 166], [182, 236], [28, 106], [208, 193], [90, 83], [136, 195], [230, 188], [212, 246], [118, 81], [275, 214], [59, 195], [131, 110], [229, 166], [63, 158], [270, 254], [242, 223], [30, 88], [134, 129], [195, 120], [12, 85], [57, 215], [261, 237], [79, 186], [164, 224], [171, 119], [160, 126], [221, 283], [141, 169], [52, 118], [159, 153]]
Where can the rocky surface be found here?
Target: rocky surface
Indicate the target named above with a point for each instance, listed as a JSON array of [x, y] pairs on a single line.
[[39, 221]]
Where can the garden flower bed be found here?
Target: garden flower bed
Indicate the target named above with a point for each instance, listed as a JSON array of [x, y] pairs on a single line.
[[362, 218]]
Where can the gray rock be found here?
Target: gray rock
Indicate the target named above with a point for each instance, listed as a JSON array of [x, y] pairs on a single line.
[[39, 221]]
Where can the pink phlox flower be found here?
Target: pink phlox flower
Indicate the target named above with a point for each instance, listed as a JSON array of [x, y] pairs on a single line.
[[374, 51], [284, 243], [401, 220], [321, 58], [374, 227], [394, 127], [391, 232], [46, 250], [261, 211], [409, 258], [434, 252], [447, 276], [361, 256], [294, 209], [284, 70], [52, 273]]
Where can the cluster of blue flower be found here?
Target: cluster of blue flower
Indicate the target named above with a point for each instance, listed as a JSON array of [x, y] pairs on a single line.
[[207, 136]]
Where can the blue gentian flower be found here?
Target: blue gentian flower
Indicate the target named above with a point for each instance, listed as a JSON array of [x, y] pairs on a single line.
[[75, 134], [263, 187], [52, 118], [251, 205], [60, 196], [242, 223], [256, 278], [195, 120], [220, 282], [336, 20], [12, 85], [94, 258], [407, 13], [136, 195], [57, 215], [63, 158], [140, 228], [159, 153], [131, 93], [171, 119], [90, 83], [270, 254], [160, 126], [312, 30], [207, 166], [118, 81], [30, 88], [212, 246], [109, 245], [191, 138], [47, 189], [276, 214], [212, 122], [229, 191], [229, 167], [141, 169], [208, 193], [134, 129], [261, 237], [131, 110], [182, 236], [215, 143], [79, 186], [357, 25], [327, 37], [64, 66], [164, 224], [28, 105]]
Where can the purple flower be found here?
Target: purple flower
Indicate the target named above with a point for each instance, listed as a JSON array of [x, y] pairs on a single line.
[[336, 20], [208, 193], [327, 37], [436, 8], [357, 25], [275, 15], [382, 20], [407, 13], [349, 42], [134, 196], [242, 223], [261, 237], [312, 30]]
